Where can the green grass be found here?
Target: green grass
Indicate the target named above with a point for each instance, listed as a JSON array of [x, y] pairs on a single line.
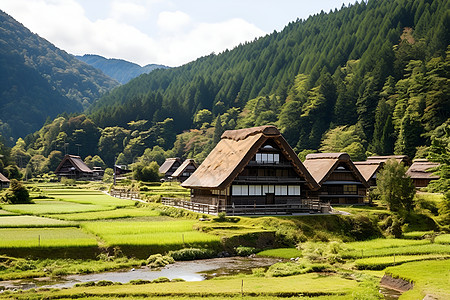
[[89, 197], [312, 284], [405, 250], [44, 207], [31, 221], [166, 233], [443, 239], [281, 252], [416, 235], [45, 237], [383, 243], [379, 263], [429, 277], [6, 213], [109, 214]]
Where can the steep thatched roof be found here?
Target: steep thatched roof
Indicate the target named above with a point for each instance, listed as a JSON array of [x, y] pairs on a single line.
[[420, 169], [183, 167], [234, 151], [321, 165], [76, 162], [399, 158], [168, 164], [368, 168], [3, 178]]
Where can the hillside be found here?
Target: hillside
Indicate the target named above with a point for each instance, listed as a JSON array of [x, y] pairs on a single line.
[[371, 78], [38, 80], [119, 69]]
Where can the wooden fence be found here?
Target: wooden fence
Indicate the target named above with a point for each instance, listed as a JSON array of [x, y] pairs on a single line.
[[192, 206], [307, 206], [124, 193]]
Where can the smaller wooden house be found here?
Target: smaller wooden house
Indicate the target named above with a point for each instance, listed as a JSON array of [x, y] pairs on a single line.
[[169, 167], [369, 170], [420, 172], [185, 170], [339, 179], [73, 167], [4, 182]]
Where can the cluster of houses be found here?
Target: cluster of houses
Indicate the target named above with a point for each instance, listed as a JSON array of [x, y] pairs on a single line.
[[256, 167]]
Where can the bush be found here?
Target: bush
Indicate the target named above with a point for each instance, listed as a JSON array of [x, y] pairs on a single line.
[[139, 281], [245, 251], [158, 260], [191, 254], [17, 193], [161, 279], [104, 283], [68, 181]]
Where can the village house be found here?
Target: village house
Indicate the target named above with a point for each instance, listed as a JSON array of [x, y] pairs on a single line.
[[384, 158], [339, 179], [185, 170], [73, 167], [369, 170], [253, 169], [4, 182], [169, 167], [420, 172]]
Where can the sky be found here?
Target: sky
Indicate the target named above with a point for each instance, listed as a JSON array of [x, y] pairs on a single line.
[[167, 32]]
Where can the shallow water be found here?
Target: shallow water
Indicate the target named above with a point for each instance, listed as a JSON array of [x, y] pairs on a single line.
[[389, 294], [196, 270]]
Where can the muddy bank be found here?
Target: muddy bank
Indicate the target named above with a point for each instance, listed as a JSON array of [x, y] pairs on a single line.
[[397, 284]]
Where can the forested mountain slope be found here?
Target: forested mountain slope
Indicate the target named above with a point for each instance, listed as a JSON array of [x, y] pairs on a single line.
[[39, 80], [371, 78], [119, 69]]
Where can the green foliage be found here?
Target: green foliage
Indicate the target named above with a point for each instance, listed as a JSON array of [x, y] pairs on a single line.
[[281, 252], [395, 188], [158, 260], [345, 139], [245, 251], [148, 173], [17, 193], [294, 268], [190, 254]]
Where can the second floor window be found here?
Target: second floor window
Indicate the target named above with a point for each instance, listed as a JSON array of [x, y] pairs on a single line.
[[267, 158]]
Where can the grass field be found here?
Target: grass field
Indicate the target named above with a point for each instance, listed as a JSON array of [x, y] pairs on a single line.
[[89, 197], [383, 243], [312, 284], [443, 239], [405, 250], [31, 221], [109, 214], [45, 207], [429, 277], [379, 263], [281, 253], [169, 234], [45, 237]]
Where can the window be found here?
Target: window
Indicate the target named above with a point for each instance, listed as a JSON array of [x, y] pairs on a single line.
[[294, 190], [267, 158], [240, 190], [350, 189], [268, 189], [281, 190], [254, 190]]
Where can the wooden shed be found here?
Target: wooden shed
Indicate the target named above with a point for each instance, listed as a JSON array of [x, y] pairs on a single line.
[[339, 179], [4, 182], [420, 172], [73, 167], [252, 168], [184, 171]]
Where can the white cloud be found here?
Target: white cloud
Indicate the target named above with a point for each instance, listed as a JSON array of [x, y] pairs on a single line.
[[176, 39], [121, 10], [173, 21]]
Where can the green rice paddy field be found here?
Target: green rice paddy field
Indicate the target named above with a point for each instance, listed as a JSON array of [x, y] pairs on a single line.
[[72, 219]]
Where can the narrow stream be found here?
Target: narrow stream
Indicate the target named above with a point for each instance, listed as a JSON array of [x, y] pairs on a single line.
[[195, 270]]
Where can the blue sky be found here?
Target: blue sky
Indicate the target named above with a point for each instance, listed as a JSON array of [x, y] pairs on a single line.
[[169, 32]]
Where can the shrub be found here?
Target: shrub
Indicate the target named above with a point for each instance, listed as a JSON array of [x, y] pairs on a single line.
[[221, 217], [104, 283], [191, 254], [245, 251], [161, 279], [17, 193], [68, 181], [158, 260], [139, 281]]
